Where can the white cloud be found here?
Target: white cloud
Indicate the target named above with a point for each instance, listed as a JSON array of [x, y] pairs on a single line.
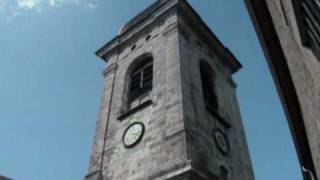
[[52, 3], [92, 5], [57, 3], [14, 8], [2, 4], [28, 4]]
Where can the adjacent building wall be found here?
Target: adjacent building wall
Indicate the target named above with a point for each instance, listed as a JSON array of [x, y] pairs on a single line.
[[292, 63]]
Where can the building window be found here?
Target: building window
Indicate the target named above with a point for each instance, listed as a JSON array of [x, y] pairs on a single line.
[[208, 86], [141, 79], [308, 17]]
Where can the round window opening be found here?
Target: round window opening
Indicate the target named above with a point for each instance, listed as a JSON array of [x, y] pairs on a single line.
[[221, 141]]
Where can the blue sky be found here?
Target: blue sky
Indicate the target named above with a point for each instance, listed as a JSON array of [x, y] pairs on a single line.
[[51, 85]]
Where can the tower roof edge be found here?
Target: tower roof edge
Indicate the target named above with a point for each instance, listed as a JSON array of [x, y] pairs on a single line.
[[110, 47]]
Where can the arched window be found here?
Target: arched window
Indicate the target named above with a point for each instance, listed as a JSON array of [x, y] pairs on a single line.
[[141, 79], [208, 86]]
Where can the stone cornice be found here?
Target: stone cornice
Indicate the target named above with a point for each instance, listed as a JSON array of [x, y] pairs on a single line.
[[152, 15], [194, 21], [122, 38]]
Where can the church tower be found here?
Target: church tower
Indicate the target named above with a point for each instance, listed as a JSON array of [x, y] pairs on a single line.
[[169, 108]]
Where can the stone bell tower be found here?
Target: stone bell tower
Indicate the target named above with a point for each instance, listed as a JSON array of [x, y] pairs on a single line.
[[169, 108]]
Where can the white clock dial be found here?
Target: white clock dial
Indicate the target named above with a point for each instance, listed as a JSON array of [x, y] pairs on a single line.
[[133, 134]]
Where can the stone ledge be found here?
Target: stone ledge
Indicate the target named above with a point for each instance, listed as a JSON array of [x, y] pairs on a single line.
[[172, 172], [110, 69], [135, 109], [185, 171], [97, 175], [217, 115]]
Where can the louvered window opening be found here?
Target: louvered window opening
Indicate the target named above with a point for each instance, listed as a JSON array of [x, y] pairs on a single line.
[[141, 80], [207, 80], [310, 10]]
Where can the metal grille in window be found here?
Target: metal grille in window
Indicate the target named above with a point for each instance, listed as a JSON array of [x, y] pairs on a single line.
[[308, 15], [141, 79]]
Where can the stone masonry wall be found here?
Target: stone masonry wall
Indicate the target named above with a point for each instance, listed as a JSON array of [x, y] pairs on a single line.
[[178, 139], [199, 123], [305, 71], [163, 145]]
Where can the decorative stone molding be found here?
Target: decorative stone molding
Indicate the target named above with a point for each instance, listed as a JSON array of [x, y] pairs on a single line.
[[232, 83], [110, 69]]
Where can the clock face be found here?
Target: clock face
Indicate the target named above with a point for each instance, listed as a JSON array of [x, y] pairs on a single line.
[[221, 141], [133, 134]]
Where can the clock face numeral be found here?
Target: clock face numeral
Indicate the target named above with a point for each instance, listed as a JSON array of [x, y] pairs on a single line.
[[221, 141], [133, 134]]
